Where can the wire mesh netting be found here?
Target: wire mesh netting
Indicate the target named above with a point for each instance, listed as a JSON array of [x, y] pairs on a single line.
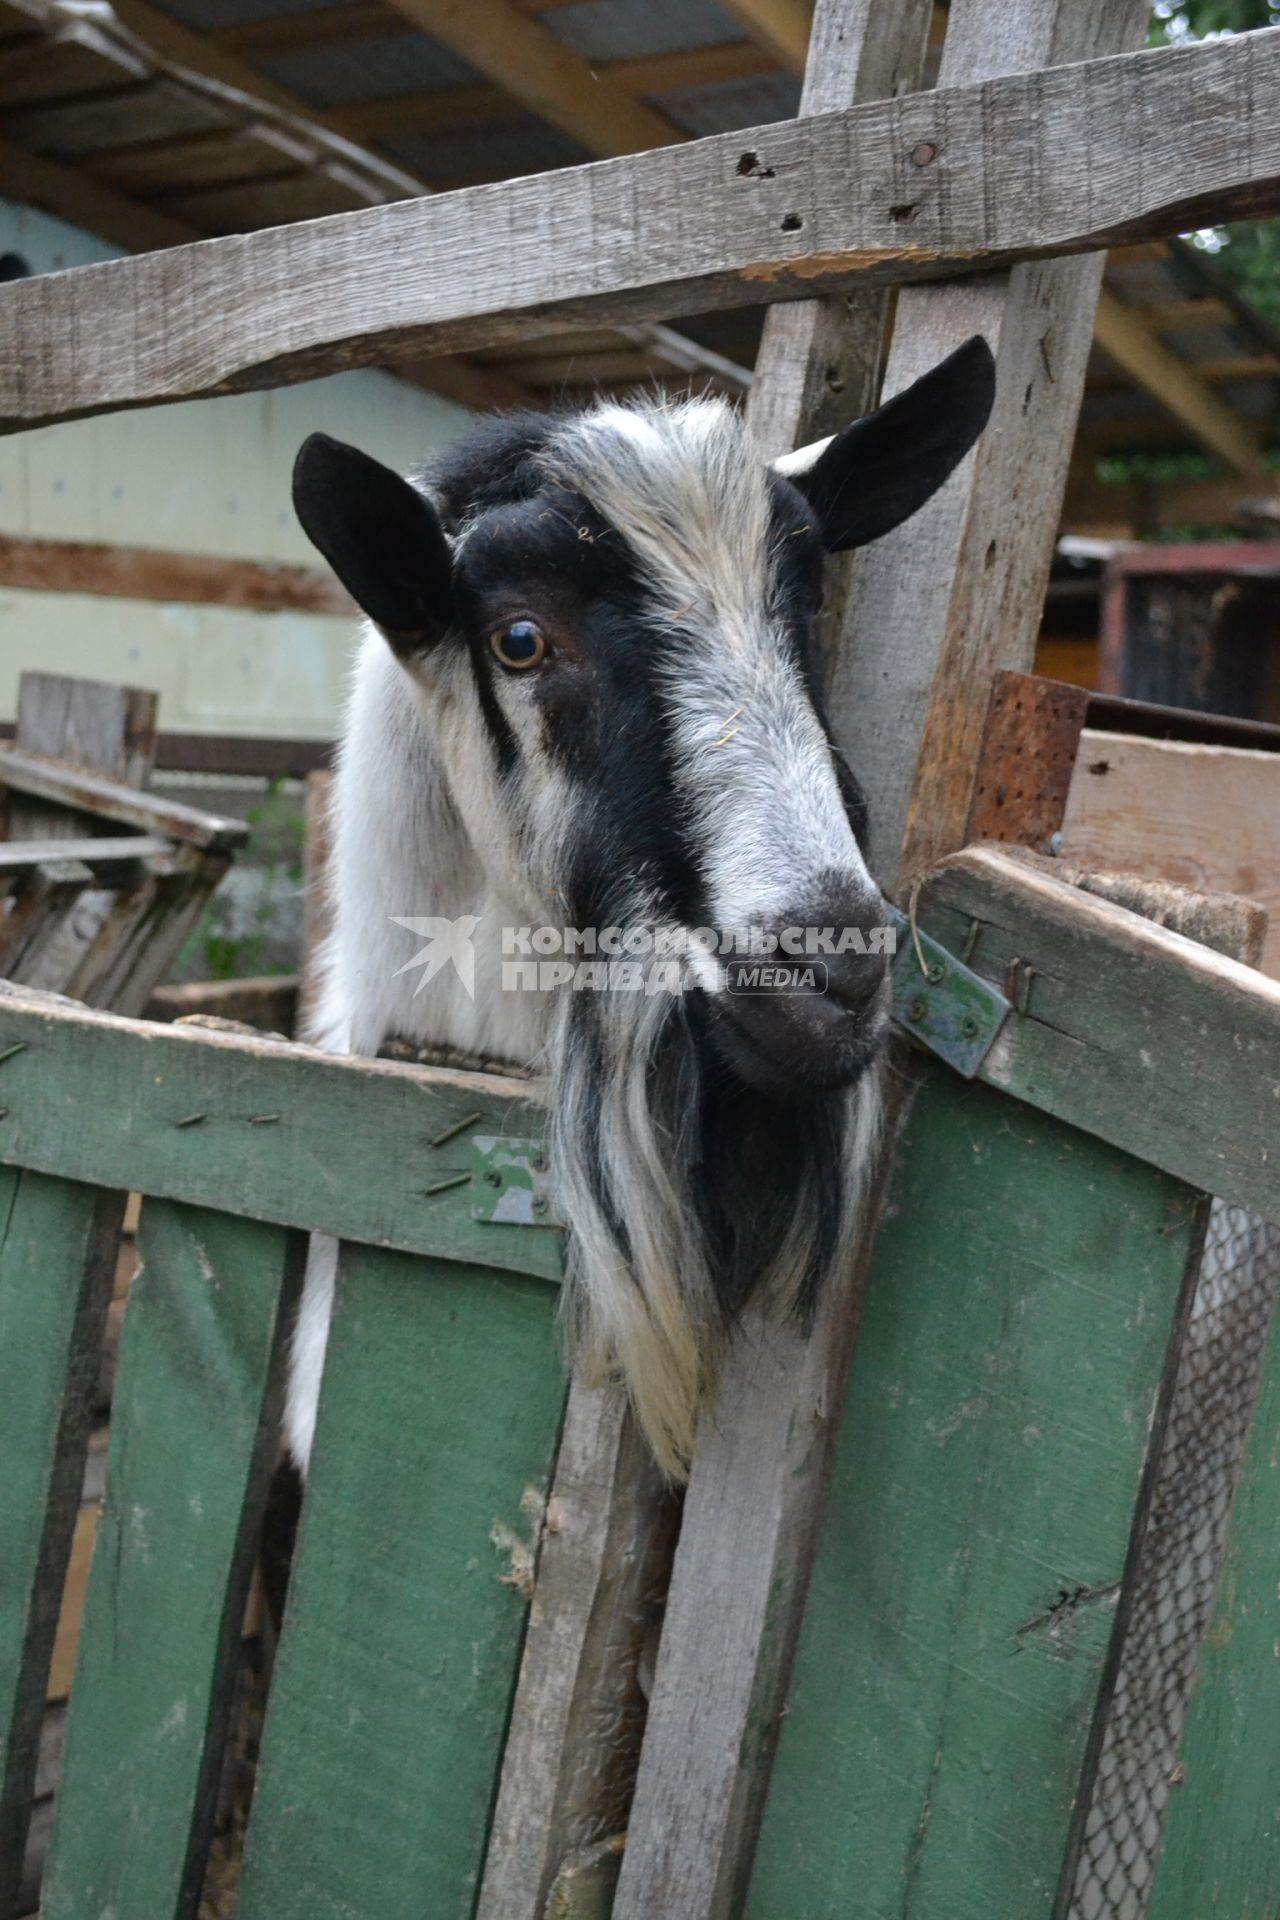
[[1215, 1388]]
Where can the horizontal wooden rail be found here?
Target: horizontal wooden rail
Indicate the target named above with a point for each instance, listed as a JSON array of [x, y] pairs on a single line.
[[365, 1149], [151, 573], [957, 180], [109, 799], [104, 858], [1153, 1043]]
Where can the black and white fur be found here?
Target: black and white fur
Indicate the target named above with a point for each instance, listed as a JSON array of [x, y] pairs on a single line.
[[667, 764]]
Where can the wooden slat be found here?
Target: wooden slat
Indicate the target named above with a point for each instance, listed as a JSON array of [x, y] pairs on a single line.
[[148, 573], [112, 800], [193, 1439], [105, 859], [38, 904], [299, 1137], [569, 1767], [763, 1460], [92, 723], [966, 577], [57, 1257], [438, 1420], [966, 1588], [748, 1523], [1222, 1833], [1205, 815], [1153, 1043], [142, 934], [597, 244]]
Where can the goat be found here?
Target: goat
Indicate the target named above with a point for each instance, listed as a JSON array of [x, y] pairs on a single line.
[[589, 694]]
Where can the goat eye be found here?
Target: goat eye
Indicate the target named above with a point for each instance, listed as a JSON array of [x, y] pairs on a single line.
[[521, 644]]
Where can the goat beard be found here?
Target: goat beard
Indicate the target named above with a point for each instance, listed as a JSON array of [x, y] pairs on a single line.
[[687, 1195]]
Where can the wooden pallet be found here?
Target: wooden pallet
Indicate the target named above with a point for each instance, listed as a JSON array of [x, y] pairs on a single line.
[[100, 882]]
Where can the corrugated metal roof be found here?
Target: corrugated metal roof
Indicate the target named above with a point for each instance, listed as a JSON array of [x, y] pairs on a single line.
[[514, 145], [733, 103], [212, 14], [330, 75], [623, 30]]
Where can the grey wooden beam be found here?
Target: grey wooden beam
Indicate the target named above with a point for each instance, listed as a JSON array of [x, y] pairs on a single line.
[[966, 179], [762, 1467]]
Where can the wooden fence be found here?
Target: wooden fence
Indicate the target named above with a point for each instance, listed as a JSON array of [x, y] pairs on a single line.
[[457, 1723]]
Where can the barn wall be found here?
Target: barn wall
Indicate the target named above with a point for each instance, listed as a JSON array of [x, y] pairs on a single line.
[[205, 477]]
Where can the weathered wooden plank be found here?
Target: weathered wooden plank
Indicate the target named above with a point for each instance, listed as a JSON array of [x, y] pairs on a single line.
[[145, 931], [1019, 167], [1204, 814], [760, 1475], [569, 1766], [820, 361], [578, 1718], [46, 890], [966, 576], [438, 1421], [364, 1149], [1155, 1044], [105, 859], [151, 573], [1222, 1832], [112, 800], [965, 1591], [193, 1439], [57, 1257], [91, 723]]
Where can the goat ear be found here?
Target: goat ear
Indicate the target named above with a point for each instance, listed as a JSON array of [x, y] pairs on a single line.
[[882, 468], [381, 538]]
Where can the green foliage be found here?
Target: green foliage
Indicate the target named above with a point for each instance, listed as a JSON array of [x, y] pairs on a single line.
[[1247, 255], [228, 943]]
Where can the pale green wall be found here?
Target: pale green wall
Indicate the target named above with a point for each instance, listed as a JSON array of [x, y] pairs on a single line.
[[209, 476]]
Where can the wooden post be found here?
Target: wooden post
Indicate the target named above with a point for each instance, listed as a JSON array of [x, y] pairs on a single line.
[[936, 608]]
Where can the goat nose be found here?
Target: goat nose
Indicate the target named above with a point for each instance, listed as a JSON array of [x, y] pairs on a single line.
[[854, 979]]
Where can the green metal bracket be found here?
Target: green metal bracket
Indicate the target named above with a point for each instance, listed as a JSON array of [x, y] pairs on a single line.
[[512, 1182], [944, 1005]]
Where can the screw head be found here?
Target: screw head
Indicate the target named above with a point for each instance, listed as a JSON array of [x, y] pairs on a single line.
[[493, 1178], [969, 1027], [540, 1203], [934, 971], [916, 1010]]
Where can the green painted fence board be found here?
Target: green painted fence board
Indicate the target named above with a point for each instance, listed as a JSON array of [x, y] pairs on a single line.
[[363, 1149], [57, 1257], [1222, 1835], [438, 1422], [193, 1437], [1025, 1285]]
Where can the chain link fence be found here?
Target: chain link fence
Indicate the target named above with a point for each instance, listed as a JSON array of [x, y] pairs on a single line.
[[1215, 1390]]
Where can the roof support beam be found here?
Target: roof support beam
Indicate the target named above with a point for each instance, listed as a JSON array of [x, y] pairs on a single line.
[[783, 26], [73, 196], [436, 108], [524, 58], [1137, 348]]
